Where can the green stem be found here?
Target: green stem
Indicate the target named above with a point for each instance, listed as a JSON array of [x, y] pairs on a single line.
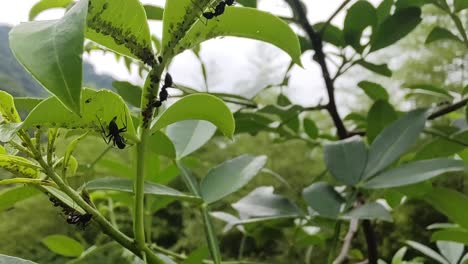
[[139, 220], [210, 234], [336, 237]]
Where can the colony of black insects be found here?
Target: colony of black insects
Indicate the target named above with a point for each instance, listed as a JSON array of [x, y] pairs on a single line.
[[73, 217], [219, 9], [163, 92]]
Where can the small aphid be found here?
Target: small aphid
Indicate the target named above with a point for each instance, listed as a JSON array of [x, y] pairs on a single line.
[[88, 100], [219, 9], [229, 2]]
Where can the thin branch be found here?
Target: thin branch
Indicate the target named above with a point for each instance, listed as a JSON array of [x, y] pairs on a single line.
[[448, 109], [372, 254], [446, 137], [353, 227]]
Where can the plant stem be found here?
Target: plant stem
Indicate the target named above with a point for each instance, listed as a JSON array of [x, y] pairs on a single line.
[[336, 237], [211, 236], [139, 218]]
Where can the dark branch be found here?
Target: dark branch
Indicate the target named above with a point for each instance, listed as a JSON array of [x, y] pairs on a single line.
[[316, 40], [448, 109]]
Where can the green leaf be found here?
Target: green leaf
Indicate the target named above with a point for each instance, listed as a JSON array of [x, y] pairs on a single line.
[[47, 4], [248, 3], [161, 144], [395, 27], [9, 197], [399, 256], [252, 123], [379, 117], [198, 107], [370, 211], [2, 150], [102, 104], [262, 202], [63, 197], [129, 92], [27, 104], [346, 159], [323, 199], [332, 34], [7, 108], [414, 172], [19, 166], [8, 131], [430, 88], [230, 176], [439, 33], [120, 25], [190, 135], [359, 16], [63, 245], [450, 250], [384, 9], [451, 234], [394, 141], [381, 69], [460, 5], [51, 51], [153, 12], [237, 22], [68, 153], [402, 4], [197, 256], [126, 185], [310, 128], [427, 251], [449, 203], [375, 91], [4, 259]]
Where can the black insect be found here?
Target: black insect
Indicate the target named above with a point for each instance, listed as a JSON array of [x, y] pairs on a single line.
[[114, 133], [80, 220], [229, 2], [163, 94], [218, 10]]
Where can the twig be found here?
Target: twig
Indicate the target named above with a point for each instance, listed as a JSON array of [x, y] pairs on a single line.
[[448, 109], [353, 227]]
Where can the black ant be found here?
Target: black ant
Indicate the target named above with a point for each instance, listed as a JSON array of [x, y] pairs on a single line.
[[73, 217], [114, 133], [163, 93], [218, 10]]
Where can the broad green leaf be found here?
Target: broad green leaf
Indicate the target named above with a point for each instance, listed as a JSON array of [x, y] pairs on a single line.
[[399, 256], [450, 250], [323, 199], [120, 25], [262, 202], [27, 104], [63, 245], [288, 115], [381, 69], [9, 197], [332, 34], [430, 88], [190, 135], [19, 166], [414, 172], [230, 176], [243, 22], [379, 117], [153, 12], [4, 259], [441, 147], [371, 211], [460, 5], [98, 107], [346, 159], [395, 27], [310, 128], [449, 203], [384, 9], [7, 108], [394, 140], [402, 4], [197, 256], [129, 92], [8, 131], [252, 123], [375, 91], [161, 144], [198, 107], [451, 234], [359, 16], [126, 185], [427, 251], [51, 51], [47, 4], [439, 33], [2, 150]]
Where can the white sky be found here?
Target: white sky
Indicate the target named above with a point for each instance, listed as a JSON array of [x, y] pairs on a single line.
[[228, 60]]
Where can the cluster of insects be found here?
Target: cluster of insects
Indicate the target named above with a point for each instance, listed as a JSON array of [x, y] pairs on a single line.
[[163, 92], [219, 9], [73, 217]]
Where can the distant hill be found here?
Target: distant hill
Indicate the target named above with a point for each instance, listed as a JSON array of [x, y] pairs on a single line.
[[15, 80]]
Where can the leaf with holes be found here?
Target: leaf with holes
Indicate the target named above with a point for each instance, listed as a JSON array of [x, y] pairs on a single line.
[[51, 51], [359, 16]]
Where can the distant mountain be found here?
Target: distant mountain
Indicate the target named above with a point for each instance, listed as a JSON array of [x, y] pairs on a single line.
[[15, 80]]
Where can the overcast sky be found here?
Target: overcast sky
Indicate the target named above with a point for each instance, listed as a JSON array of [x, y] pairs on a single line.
[[233, 64]]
